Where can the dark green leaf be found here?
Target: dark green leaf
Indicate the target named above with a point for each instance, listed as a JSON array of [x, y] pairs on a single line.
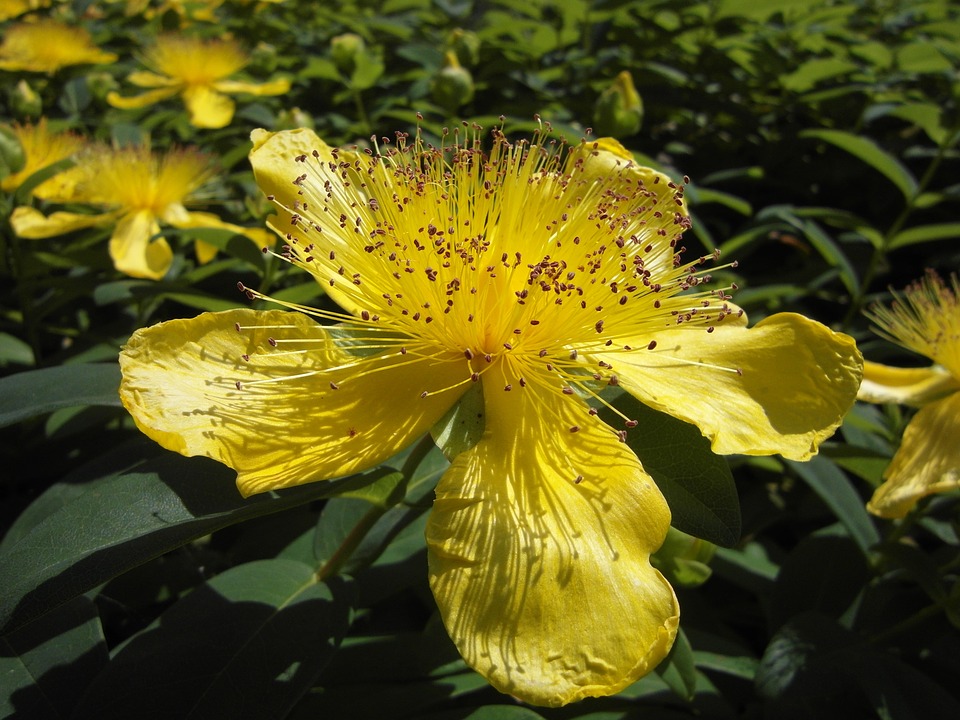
[[247, 644], [35, 392], [461, 428], [678, 670], [124, 520], [872, 154], [47, 665], [697, 484], [833, 487]]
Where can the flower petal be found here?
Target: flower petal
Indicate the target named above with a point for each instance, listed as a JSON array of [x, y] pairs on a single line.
[[207, 107], [134, 249], [782, 386], [539, 544], [145, 79], [274, 87], [910, 386], [180, 217], [287, 424], [927, 462], [142, 100], [28, 222], [272, 158]]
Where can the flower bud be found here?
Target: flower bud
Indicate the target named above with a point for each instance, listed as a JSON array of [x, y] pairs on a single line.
[[452, 86], [24, 101], [294, 118], [344, 50], [100, 84], [12, 157], [683, 559], [466, 45], [619, 109]]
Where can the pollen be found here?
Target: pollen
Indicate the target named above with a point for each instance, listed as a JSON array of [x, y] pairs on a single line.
[[522, 253]]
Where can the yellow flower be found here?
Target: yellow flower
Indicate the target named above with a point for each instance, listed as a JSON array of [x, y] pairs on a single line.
[[139, 191], [536, 282], [14, 8], [43, 148], [198, 70], [47, 46], [925, 319]]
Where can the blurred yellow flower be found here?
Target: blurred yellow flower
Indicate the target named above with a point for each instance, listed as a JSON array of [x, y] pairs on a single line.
[[15, 8], [139, 190], [47, 46], [197, 70], [43, 148], [925, 319], [536, 281]]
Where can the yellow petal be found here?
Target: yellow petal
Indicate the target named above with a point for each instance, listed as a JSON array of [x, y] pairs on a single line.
[[178, 216], [28, 222], [146, 79], [543, 582], [205, 251], [207, 107], [139, 101], [910, 386], [134, 249], [274, 87], [927, 462], [180, 384], [782, 386], [274, 168]]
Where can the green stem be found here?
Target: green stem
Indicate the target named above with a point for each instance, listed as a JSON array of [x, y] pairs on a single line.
[[366, 128]]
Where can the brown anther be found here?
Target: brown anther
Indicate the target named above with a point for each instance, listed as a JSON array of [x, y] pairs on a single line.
[[622, 434], [578, 480], [273, 343], [239, 386], [246, 358], [364, 315], [474, 376], [507, 388], [423, 394], [567, 390], [631, 423], [508, 346], [613, 381], [237, 326], [468, 354], [488, 357], [651, 345], [574, 428]]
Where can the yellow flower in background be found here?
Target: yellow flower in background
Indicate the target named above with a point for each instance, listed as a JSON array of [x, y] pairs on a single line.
[[138, 191], [537, 281], [43, 148], [196, 69], [925, 319], [15, 8], [47, 46]]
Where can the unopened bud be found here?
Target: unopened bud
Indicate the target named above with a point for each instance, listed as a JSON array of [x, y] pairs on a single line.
[[344, 50], [101, 83], [619, 109], [294, 118], [452, 86], [466, 45], [24, 101], [683, 559], [12, 157]]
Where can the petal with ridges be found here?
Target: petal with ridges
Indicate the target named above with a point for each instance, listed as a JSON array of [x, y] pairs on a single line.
[[274, 168], [207, 107], [134, 249], [782, 386], [910, 386], [927, 462], [180, 384], [543, 582]]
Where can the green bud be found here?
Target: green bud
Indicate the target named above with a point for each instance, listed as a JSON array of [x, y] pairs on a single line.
[[101, 83], [12, 158], [683, 559], [264, 57], [452, 86], [24, 101], [344, 50], [294, 118], [466, 44], [619, 109]]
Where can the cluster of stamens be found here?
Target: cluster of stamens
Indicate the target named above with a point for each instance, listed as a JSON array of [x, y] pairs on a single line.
[[511, 258]]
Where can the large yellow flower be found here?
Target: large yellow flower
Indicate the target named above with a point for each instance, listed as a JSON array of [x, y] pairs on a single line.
[[43, 148], [139, 190], [196, 69], [538, 282], [925, 319], [47, 46]]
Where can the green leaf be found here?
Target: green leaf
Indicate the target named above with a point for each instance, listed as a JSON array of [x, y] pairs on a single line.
[[461, 428], [697, 484], [247, 644], [503, 712], [678, 670], [14, 351], [47, 665], [837, 492], [124, 519], [924, 233], [36, 392], [741, 666], [872, 154]]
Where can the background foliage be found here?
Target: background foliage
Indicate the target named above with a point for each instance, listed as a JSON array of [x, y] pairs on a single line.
[[821, 142]]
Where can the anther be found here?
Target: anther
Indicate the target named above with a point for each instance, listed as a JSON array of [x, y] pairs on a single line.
[[468, 354], [631, 423], [574, 428], [652, 344], [567, 390], [508, 388], [578, 480], [273, 343]]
